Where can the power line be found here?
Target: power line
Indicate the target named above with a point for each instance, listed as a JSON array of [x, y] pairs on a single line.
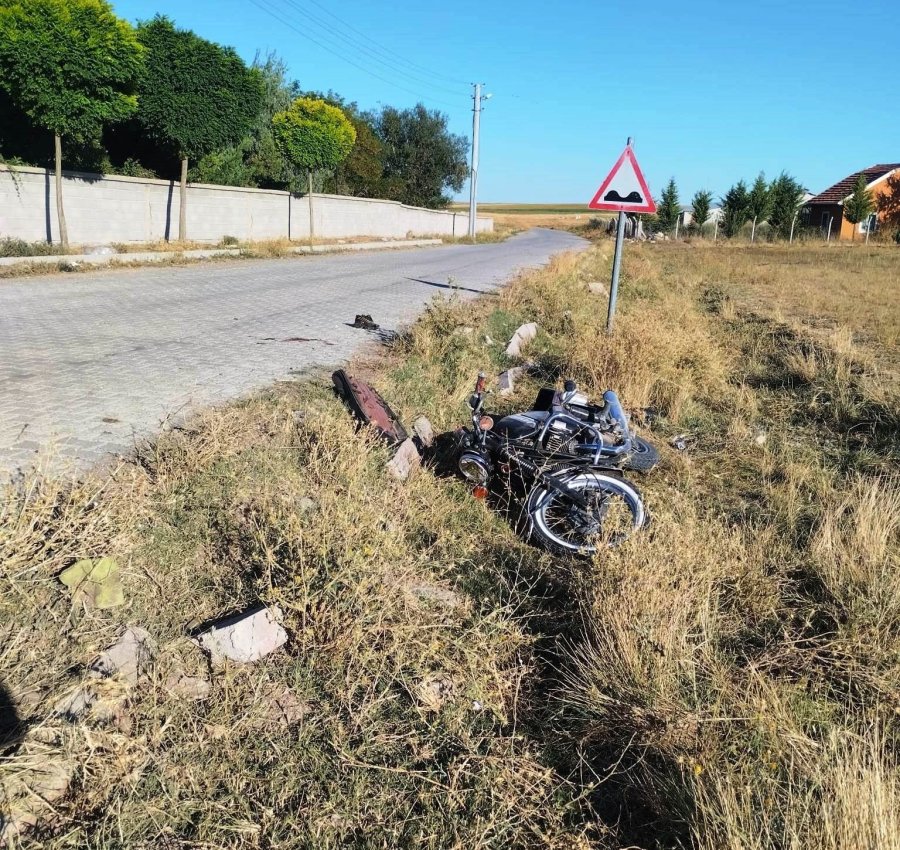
[[368, 38], [357, 45], [275, 14]]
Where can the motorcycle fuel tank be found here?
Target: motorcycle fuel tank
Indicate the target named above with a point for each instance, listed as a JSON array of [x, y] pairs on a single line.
[[521, 426]]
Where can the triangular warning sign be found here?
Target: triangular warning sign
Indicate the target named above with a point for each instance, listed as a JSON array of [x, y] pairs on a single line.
[[624, 188]]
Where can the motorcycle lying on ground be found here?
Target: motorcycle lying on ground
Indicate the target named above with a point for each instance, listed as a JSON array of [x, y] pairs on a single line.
[[563, 459]]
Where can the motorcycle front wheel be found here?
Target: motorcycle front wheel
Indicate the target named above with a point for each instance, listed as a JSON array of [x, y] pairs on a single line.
[[614, 511]]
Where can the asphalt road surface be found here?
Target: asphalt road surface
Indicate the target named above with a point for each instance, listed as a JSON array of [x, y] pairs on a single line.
[[91, 363]]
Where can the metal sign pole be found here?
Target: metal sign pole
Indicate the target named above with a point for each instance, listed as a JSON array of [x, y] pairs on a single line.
[[617, 263]]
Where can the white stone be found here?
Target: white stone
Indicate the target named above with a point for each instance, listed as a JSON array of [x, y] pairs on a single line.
[[405, 460], [128, 657], [186, 687], [597, 288], [760, 438], [246, 637], [506, 381], [424, 430], [75, 704], [524, 334]]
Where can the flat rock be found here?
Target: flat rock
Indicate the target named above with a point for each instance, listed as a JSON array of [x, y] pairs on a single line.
[[75, 704], [405, 460], [244, 638], [523, 335], [506, 381], [127, 658], [597, 288], [424, 430], [29, 792], [191, 688]]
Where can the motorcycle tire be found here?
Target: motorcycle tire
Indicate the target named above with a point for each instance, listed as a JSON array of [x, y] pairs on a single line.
[[560, 526], [644, 456]]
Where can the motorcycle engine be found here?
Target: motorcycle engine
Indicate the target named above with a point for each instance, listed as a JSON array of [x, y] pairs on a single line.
[[560, 438]]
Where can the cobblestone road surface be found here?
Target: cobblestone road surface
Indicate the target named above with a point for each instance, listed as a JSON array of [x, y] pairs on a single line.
[[90, 363]]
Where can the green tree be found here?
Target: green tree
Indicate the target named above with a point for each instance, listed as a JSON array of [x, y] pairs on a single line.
[[860, 205], [786, 197], [735, 209], [759, 202], [360, 174], [701, 203], [195, 97], [71, 66], [668, 210], [422, 158], [313, 135]]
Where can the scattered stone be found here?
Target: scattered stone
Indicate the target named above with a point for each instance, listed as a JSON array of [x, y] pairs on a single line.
[[283, 706], [760, 438], [30, 791], [423, 429], [191, 688], [405, 460], [305, 504], [96, 584], [488, 340], [73, 706], [245, 637], [507, 380], [524, 334], [435, 692], [364, 322], [128, 658], [597, 288]]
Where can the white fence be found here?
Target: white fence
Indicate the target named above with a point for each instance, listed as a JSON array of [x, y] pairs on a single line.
[[104, 209]]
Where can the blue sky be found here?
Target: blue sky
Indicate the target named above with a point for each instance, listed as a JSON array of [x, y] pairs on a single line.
[[711, 91]]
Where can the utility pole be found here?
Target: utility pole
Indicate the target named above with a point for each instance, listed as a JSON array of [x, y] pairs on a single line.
[[473, 177]]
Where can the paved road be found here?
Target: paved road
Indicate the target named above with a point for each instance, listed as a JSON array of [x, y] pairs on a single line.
[[90, 363]]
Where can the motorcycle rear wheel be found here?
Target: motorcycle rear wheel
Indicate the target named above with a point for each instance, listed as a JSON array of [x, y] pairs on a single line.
[[561, 526]]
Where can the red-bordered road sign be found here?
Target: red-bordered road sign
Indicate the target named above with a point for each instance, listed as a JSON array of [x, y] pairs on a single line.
[[624, 189]]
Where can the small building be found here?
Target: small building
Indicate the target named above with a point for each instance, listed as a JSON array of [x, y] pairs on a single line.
[[686, 216], [825, 211]]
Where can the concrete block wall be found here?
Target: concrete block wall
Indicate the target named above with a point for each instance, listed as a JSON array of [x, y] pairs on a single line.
[[104, 209]]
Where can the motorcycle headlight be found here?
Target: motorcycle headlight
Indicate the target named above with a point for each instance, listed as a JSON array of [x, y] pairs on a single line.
[[474, 467]]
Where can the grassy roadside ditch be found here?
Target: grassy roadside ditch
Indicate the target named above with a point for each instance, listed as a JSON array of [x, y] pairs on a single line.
[[729, 679]]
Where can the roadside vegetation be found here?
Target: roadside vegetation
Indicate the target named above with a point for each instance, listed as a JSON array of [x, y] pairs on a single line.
[[728, 679]]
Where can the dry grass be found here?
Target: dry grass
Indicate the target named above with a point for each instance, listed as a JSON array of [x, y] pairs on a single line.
[[731, 678]]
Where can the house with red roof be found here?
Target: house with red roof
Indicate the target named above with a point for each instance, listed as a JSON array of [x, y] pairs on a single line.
[[825, 211]]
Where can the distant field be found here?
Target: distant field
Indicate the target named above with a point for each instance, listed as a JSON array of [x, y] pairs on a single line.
[[528, 209], [514, 217]]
